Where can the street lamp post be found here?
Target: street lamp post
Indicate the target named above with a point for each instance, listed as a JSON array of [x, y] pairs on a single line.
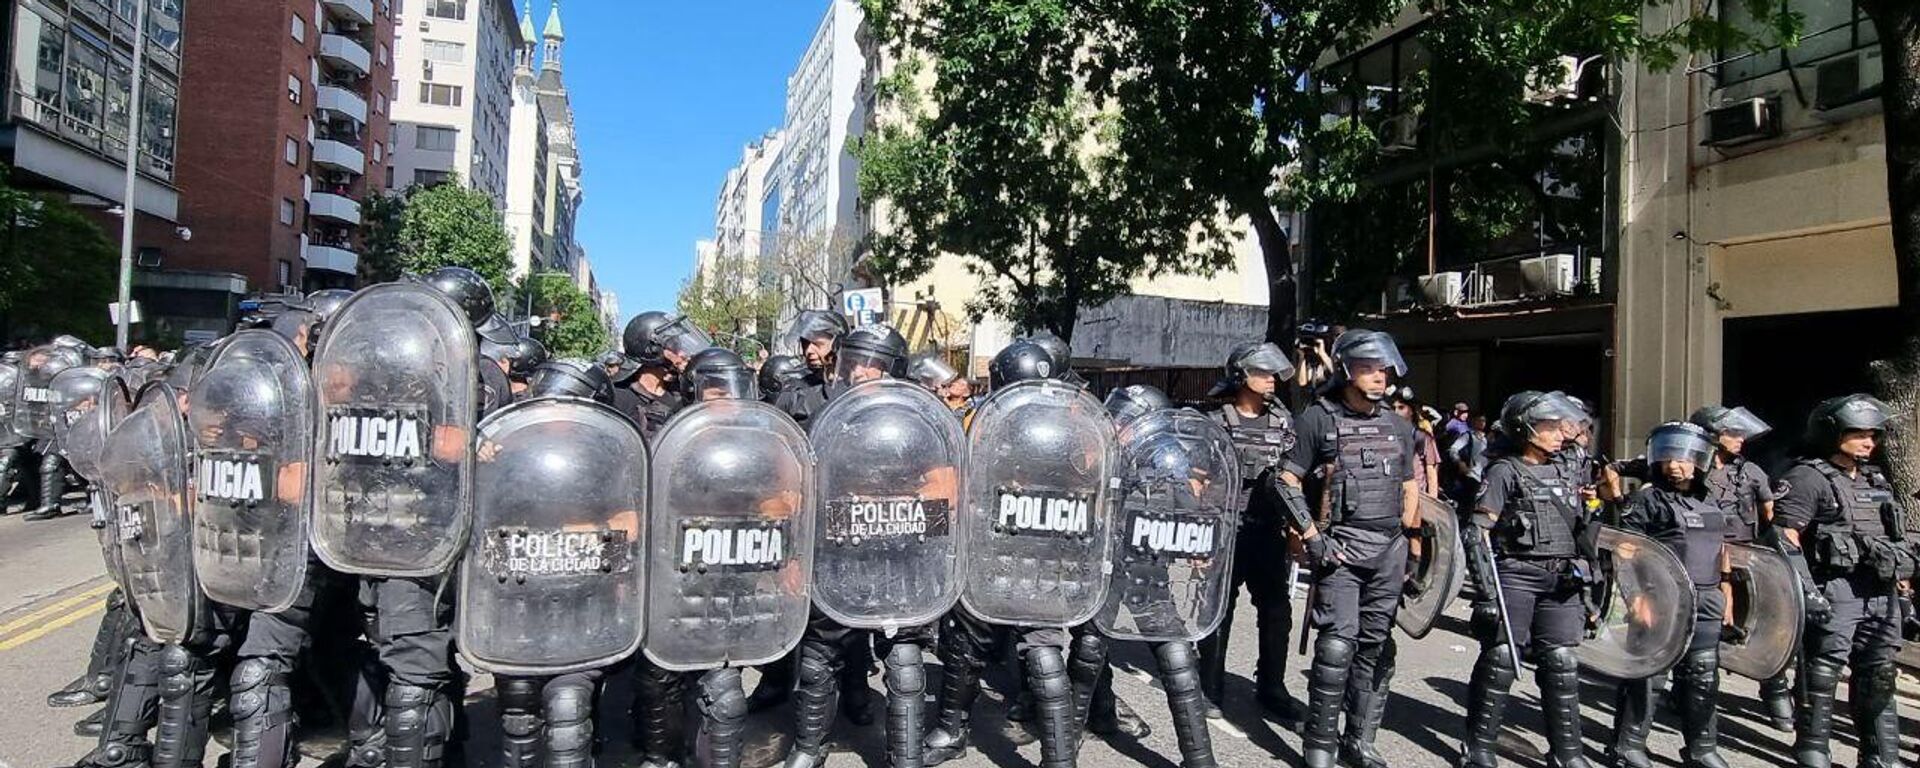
[[127, 210]]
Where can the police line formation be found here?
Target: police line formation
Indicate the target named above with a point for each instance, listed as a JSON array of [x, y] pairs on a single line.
[[669, 513]]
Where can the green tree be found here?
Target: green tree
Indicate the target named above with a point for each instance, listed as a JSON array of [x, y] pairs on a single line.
[[1015, 164], [381, 217], [454, 225], [58, 271], [734, 300], [569, 322]]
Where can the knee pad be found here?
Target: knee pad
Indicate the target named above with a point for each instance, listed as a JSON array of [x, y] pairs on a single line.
[[570, 716], [407, 706], [1179, 671], [819, 662], [1333, 651], [722, 696], [906, 670], [253, 685], [176, 671], [1498, 665], [1047, 673], [519, 701], [1562, 660]]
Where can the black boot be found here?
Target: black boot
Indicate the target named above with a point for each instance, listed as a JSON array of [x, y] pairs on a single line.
[[131, 709], [1275, 632], [1813, 722], [1876, 715], [261, 703], [813, 702], [366, 713], [1559, 679], [1487, 694], [1326, 697], [92, 725], [1084, 666], [1368, 700], [102, 661], [1211, 668], [53, 485], [723, 708], [1632, 721], [186, 704], [1776, 693], [9, 472], [520, 723], [417, 723], [776, 684], [78, 692], [962, 656], [659, 715], [1053, 716], [906, 703], [1698, 695], [1181, 679]]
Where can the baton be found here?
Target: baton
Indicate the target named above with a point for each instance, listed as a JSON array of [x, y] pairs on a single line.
[[1499, 599]]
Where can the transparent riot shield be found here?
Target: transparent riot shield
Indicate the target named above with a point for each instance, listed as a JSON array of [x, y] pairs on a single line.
[[34, 414], [1646, 611], [251, 418], [145, 471], [393, 458], [1173, 541], [9, 404], [730, 537], [1437, 572], [887, 553], [1768, 606], [80, 424], [1042, 476], [553, 580]]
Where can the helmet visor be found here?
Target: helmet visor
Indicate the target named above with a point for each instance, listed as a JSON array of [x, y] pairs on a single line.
[[1371, 349], [933, 372], [1862, 412], [724, 384], [1740, 422], [1267, 358], [682, 337], [1678, 445], [854, 365]]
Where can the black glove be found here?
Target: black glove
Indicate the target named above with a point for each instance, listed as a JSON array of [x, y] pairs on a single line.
[[1733, 634], [1321, 553], [1412, 587], [1819, 609]]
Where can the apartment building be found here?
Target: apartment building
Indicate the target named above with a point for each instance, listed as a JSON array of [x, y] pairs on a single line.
[[453, 94]]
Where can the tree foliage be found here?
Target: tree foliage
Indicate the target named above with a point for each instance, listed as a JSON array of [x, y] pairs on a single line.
[[569, 322], [452, 224], [1015, 164], [381, 217], [735, 300], [58, 270]]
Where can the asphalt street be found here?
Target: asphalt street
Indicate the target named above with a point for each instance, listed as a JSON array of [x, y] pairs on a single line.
[[52, 588]]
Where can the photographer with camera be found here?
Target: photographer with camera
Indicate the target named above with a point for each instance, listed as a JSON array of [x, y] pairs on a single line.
[[1313, 365]]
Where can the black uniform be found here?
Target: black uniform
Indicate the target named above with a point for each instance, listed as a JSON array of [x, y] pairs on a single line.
[[1355, 467], [1538, 518], [1851, 529], [1741, 488], [1260, 558], [1694, 526]]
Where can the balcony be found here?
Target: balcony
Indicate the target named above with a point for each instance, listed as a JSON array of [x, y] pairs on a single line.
[[333, 259], [346, 53], [360, 11], [342, 103], [332, 207], [339, 156]]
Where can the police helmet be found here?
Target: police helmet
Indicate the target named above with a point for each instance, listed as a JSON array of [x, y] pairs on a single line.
[[718, 373], [571, 377], [932, 372], [1133, 401], [1252, 357], [1837, 416], [1680, 441], [1737, 422], [876, 346], [780, 372], [467, 289], [1361, 345], [1019, 361]]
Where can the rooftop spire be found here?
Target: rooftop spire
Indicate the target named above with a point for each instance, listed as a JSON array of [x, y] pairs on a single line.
[[526, 24], [554, 31]]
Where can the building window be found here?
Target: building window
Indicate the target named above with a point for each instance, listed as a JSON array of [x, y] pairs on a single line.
[[380, 103], [286, 273], [1832, 28], [293, 151], [299, 30], [383, 54], [161, 101], [446, 9], [440, 95], [426, 178], [378, 156], [286, 211], [434, 138], [443, 51], [293, 88], [86, 83]]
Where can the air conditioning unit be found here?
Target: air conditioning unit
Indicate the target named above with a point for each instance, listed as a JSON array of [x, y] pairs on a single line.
[[1443, 289], [1848, 86], [1743, 122], [1559, 80], [1548, 275], [425, 27], [1400, 134]]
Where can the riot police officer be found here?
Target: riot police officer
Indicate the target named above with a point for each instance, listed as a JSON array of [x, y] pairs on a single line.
[[1354, 461], [1744, 488], [779, 373], [1677, 509], [943, 380], [660, 344], [867, 353], [1527, 522], [33, 417], [1263, 432], [813, 333], [1837, 508]]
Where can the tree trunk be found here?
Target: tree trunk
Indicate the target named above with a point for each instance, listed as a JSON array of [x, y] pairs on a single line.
[[1283, 296], [1898, 380]]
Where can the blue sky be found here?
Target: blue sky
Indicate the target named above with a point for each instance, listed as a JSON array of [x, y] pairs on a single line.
[[666, 93]]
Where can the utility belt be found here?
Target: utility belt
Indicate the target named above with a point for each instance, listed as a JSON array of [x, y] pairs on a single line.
[[1839, 551], [1569, 573]]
